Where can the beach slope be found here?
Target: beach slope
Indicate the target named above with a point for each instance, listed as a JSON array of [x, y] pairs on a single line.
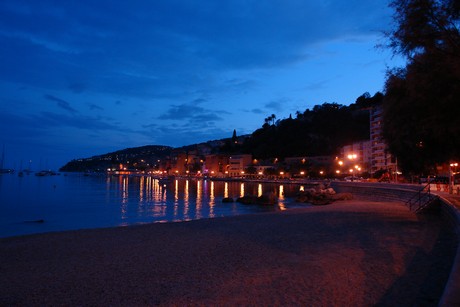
[[350, 253]]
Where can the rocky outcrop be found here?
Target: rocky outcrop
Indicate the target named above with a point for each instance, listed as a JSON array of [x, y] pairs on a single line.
[[264, 199], [321, 195]]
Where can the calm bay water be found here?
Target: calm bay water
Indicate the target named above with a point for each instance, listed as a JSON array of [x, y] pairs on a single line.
[[33, 204]]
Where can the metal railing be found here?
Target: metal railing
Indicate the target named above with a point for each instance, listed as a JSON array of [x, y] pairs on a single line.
[[421, 199]]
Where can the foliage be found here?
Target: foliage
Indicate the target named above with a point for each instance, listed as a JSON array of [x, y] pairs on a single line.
[[319, 131], [421, 105]]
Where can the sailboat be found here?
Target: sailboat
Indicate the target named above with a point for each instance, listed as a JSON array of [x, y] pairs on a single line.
[[4, 170], [20, 173]]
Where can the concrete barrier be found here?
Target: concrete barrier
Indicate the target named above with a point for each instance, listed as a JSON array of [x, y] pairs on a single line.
[[451, 295]]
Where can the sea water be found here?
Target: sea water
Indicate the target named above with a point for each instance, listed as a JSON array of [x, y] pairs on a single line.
[[35, 204]]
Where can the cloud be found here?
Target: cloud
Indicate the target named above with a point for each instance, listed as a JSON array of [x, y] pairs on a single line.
[[256, 111], [150, 126], [199, 100], [157, 48], [192, 112], [220, 57], [61, 103], [93, 106], [185, 133], [77, 87], [321, 84], [53, 120], [276, 105]]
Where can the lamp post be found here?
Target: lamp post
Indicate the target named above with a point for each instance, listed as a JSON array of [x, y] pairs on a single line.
[[451, 177], [340, 162], [352, 157]]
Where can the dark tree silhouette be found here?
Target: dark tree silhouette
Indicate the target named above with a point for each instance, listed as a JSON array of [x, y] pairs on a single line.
[[234, 138], [320, 131], [421, 104]]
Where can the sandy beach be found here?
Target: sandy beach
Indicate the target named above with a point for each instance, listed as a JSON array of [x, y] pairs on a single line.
[[350, 253]]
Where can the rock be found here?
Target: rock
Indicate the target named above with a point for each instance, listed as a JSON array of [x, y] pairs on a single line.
[[268, 199], [247, 199], [265, 199], [321, 196]]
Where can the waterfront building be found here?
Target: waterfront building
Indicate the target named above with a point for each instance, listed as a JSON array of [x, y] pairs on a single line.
[[381, 158], [216, 165], [185, 163], [237, 164], [357, 156]]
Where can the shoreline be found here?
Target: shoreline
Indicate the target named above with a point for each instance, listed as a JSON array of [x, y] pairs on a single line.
[[350, 252]]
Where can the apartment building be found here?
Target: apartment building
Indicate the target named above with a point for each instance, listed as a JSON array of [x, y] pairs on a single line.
[[358, 154], [381, 158], [237, 164]]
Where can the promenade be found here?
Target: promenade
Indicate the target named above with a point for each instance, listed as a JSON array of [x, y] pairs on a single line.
[[350, 253]]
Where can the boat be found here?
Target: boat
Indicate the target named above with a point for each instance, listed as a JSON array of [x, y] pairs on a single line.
[[4, 170], [46, 173]]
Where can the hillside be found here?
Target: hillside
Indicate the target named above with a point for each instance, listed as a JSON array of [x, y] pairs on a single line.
[[148, 154], [323, 130]]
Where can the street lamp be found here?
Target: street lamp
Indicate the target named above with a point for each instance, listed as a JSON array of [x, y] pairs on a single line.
[[352, 157], [451, 177]]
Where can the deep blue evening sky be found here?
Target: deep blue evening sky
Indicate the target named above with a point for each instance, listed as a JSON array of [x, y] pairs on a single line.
[[80, 78]]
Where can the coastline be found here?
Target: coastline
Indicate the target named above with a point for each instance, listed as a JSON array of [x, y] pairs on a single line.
[[348, 253]]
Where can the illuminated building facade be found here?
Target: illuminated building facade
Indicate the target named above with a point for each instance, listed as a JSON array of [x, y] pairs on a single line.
[[381, 158]]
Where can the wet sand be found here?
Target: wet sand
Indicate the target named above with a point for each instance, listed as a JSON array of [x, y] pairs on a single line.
[[350, 253]]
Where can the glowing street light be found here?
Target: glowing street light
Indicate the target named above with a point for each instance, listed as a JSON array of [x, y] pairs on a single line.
[[451, 177], [352, 156], [351, 172]]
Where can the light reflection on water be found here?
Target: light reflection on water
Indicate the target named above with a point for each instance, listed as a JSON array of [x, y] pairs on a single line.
[[75, 201]]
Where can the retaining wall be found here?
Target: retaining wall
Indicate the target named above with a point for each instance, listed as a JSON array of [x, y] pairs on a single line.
[[451, 295], [376, 191]]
